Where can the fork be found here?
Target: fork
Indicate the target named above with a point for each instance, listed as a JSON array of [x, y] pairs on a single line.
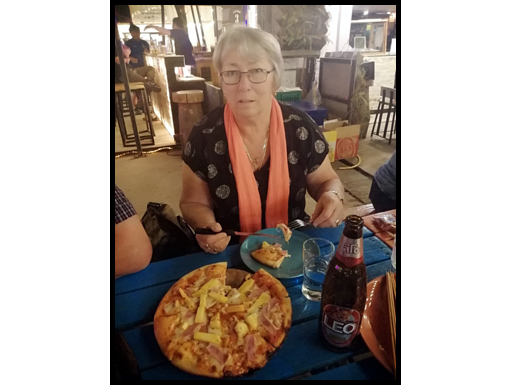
[[297, 223]]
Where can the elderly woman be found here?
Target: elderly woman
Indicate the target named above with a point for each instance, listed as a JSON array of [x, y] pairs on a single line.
[[249, 163]]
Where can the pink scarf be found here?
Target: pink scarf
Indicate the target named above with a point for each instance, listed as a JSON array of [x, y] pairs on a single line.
[[250, 212]]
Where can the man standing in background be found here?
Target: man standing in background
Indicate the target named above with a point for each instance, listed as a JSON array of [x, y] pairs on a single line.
[[182, 43]]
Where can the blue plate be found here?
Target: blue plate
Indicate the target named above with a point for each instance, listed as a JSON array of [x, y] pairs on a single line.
[[291, 267]]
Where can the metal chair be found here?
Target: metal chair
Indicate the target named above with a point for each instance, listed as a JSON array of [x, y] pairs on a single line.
[[387, 105]]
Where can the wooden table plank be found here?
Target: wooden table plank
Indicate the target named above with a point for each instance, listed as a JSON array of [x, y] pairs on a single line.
[[138, 307], [378, 269], [332, 233], [368, 369], [138, 295], [300, 353], [144, 344], [172, 269]]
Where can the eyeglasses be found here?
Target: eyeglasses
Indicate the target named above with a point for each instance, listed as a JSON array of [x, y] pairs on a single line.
[[256, 75]]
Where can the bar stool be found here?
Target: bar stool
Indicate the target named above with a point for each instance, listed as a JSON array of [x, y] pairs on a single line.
[[129, 139], [190, 110], [387, 105]]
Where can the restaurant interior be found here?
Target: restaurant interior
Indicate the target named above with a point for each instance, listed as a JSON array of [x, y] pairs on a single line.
[[373, 26], [342, 73]]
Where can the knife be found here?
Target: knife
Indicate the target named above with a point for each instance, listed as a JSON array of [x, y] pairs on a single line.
[[201, 230]]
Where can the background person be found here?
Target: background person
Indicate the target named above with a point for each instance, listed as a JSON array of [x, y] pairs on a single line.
[[143, 74], [137, 63], [383, 192], [138, 47], [248, 164], [183, 45]]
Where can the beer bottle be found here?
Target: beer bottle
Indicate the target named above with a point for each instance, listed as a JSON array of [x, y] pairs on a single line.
[[344, 291]]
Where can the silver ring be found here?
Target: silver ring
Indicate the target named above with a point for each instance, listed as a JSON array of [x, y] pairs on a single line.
[[215, 250], [337, 222], [207, 245]]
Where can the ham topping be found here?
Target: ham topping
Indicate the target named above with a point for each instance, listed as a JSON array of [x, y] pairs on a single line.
[[267, 324], [232, 334], [217, 353], [191, 330], [250, 347], [257, 292], [267, 311]]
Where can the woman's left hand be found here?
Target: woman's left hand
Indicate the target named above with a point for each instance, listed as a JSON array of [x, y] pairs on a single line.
[[329, 211]]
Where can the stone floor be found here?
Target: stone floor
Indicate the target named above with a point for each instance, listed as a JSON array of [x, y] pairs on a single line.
[[156, 177]]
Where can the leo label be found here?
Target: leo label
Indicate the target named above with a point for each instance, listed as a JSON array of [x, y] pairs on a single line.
[[350, 251], [340, 325]]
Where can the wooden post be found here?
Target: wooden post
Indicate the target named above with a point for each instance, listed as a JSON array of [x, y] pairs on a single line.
[[196, 28], [163, 21], [123, 71]]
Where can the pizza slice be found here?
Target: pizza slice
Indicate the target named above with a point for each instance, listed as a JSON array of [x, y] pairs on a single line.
[[273, 312], [270, 255], [287, 233]]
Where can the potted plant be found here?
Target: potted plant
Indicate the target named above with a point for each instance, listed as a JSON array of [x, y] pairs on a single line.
[[359, 108]]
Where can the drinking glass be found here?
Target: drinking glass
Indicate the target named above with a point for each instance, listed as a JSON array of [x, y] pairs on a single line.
[[317, 252]]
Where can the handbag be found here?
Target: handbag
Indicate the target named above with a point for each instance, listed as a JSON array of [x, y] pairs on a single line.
[[169, 234]]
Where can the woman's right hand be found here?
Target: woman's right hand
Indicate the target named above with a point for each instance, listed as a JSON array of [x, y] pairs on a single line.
[[215, 243]]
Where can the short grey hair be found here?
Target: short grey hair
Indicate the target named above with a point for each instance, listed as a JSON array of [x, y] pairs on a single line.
[[251, 43]]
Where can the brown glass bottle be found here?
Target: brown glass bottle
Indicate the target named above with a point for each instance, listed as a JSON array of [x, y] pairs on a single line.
[[344, 291]]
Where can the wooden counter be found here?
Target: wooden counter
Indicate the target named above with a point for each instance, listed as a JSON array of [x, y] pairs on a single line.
[[166, 110]]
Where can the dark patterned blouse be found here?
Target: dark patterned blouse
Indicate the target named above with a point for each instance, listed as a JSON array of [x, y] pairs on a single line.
[[206, 153]]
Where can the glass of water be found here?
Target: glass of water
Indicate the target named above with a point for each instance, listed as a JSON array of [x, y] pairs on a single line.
[[317, 252]]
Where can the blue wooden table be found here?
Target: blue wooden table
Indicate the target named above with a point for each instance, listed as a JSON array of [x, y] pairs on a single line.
[[301, 356]]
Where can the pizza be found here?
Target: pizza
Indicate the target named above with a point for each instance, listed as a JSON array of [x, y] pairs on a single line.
[[270, 255], [287, 233], [219, 323]]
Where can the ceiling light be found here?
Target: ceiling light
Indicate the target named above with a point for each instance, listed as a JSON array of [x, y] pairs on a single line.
[[365, 13], [388, 13]]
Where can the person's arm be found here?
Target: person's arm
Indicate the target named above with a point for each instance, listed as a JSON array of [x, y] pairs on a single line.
[[126, 51], [329, 208], [161, 30], [126, 60], [133, 249], [197, 206]]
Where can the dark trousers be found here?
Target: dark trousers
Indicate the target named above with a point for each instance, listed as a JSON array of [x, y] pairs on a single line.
[[380, 200]]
